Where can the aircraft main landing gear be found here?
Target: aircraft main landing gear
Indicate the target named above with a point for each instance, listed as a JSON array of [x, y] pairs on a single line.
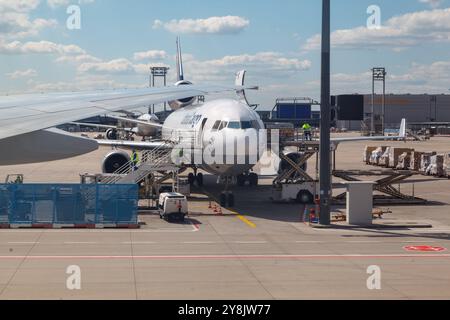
[[252, 179]]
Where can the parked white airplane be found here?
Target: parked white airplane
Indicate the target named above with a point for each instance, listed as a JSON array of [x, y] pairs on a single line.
[[205, 126]]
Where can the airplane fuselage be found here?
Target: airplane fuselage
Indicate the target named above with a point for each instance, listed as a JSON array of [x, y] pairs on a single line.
[[205, 126]]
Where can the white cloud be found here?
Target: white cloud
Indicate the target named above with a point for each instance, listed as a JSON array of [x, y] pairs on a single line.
[[150, 55], [264, 64], [80, 83], [397, 33], [116, 66], [18, 5], [41, 47], [212, 25], [432, 3], [61, 3], [77, 59], [15, 21], [418, 79], [30, 73]]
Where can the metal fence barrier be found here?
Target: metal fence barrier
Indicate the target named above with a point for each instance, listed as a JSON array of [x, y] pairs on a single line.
[[60, 204]]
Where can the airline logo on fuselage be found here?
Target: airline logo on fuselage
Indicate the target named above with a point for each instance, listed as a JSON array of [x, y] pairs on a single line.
[[192, 120]]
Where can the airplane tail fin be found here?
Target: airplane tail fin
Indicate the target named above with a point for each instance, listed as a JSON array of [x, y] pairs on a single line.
[[402, 132], [180, 70]]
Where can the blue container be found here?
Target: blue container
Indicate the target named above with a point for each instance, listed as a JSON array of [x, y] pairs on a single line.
[[294, 111], [68, 204]]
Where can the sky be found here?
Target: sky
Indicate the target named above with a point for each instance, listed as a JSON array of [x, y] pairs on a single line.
[[44, 49]]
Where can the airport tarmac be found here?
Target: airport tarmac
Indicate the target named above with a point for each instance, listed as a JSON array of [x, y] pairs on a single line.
[[259, 251]]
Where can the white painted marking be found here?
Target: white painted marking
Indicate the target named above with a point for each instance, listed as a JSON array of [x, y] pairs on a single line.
[[80, 242], [31, 242], [309, 242], [199, 242], [139, 242], [218, 257], [364, 241], [250, 242]]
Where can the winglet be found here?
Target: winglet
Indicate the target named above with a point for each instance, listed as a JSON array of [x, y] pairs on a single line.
[[240, 78], [402, 132]]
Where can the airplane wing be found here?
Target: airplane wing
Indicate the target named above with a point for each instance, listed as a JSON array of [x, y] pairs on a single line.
[[26, 121], [32, 112], [135, 121]]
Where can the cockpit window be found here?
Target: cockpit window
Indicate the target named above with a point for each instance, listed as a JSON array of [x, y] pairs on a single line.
[[246, 124], [216, 125], [223, 125], [243, 125], [234, 125]]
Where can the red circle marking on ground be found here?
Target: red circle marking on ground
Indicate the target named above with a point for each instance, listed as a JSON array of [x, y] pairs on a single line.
[[425, 248]]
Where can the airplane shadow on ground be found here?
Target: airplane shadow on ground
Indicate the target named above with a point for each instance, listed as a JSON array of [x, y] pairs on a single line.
[[257, 203]]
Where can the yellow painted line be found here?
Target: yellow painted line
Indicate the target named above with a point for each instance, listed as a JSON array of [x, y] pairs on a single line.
[[244, 219]]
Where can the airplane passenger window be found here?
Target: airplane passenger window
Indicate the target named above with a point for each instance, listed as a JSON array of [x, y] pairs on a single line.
[[234, 125]]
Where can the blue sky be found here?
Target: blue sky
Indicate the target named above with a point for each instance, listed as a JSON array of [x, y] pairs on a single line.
[[277, 41]]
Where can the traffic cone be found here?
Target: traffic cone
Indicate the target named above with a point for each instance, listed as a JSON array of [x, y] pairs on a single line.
[[312, 215]]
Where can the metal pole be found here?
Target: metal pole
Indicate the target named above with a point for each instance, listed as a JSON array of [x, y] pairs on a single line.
[[325, 150], [383, 124], [372, 115]]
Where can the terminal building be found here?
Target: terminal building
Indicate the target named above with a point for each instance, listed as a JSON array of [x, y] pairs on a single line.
[[420, 110]]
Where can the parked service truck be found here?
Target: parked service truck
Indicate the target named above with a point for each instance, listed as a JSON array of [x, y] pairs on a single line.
[[173, 206], [303, 193]]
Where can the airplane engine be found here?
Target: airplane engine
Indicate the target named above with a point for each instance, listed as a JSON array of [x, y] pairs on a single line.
[[294, 156], [114, 161], [111, 134], [182, 103]]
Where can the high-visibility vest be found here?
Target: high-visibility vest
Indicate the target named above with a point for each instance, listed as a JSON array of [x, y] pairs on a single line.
[[135, 157], [306, 127]]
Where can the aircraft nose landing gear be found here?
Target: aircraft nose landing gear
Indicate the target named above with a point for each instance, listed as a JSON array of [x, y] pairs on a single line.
[[227, 199], [196, 178]]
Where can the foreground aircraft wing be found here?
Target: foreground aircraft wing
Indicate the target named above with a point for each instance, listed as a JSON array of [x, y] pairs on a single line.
[[26, 120], [32, 112]]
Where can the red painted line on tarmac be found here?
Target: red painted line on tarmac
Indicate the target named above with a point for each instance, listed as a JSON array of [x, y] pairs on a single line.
[[230, 257]]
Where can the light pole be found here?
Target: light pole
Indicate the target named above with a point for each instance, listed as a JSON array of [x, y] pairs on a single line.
[[325, 109]]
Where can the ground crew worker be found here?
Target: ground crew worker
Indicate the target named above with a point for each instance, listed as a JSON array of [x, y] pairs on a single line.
[[135, 159], [307, 131]]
